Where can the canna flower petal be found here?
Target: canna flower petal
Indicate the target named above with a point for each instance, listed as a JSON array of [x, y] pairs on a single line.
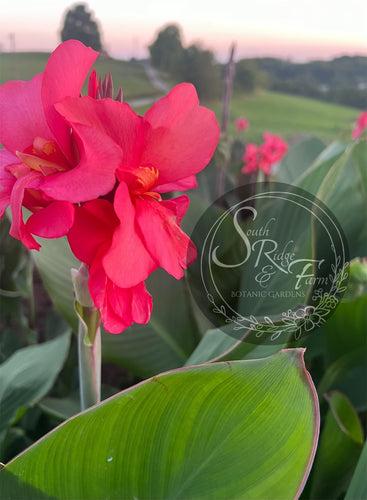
[[119, 307], [64, 76], [93, 228], [116, 122], [132, 305], [53, 221], [18, 228], [174, 141], [181, 185], [94, 175], [127, 262], [7, 180], [168, 245], [22, 116]]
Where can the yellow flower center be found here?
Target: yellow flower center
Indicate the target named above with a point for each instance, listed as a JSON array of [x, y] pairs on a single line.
[[145, 179], [44, 156]]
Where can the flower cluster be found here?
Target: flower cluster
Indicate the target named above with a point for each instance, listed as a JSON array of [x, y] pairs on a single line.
[[92, 169], [360, 126], [264, 156], [241, 123]]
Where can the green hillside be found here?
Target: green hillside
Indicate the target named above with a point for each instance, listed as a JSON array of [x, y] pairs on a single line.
[[131, 76], [289, 116]]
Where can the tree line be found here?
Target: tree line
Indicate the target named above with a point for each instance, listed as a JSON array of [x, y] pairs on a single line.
[[342, 80]]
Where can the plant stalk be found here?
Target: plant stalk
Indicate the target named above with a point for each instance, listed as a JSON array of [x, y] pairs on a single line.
[[89, 367], [89, 339]]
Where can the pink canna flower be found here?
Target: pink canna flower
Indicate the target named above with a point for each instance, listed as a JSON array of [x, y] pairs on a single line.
[[262, 157], [40, 149], [241, 124], [159, 152], [93, 169], [361, 125]]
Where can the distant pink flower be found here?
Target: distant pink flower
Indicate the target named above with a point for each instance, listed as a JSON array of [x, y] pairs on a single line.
[[241, 124], [271, 151], [361, 125], [251, 159], [264, 156]]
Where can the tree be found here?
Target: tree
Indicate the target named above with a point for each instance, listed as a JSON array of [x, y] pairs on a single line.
[[199, 68], [79, 25], [192, 64], [166, 50], [248, 77]]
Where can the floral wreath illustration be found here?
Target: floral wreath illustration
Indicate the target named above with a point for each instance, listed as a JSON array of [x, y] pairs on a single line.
[[296, 321]]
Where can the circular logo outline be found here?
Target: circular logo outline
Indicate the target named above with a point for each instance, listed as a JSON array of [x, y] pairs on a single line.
[[300, 321]]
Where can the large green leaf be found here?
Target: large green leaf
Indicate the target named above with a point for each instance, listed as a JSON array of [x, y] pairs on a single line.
[[28, 375], [340, 446], [163, 344], [241, 429]]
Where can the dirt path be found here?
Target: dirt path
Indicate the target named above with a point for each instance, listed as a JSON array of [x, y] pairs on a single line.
[[154, 78], [157, 83]]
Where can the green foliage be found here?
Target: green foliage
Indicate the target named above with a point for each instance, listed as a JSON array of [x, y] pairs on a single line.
[[79, 25], [201, 432], [27, 375], [15, 291], [339, 449]]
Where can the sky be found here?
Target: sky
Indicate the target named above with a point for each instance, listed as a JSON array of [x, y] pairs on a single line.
[[297, 30]]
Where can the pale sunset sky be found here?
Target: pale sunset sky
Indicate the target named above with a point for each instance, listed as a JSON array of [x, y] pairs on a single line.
[[298, 30]]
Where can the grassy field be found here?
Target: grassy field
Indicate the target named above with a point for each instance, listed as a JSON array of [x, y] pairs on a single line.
[[290, 116], [131, 76]]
